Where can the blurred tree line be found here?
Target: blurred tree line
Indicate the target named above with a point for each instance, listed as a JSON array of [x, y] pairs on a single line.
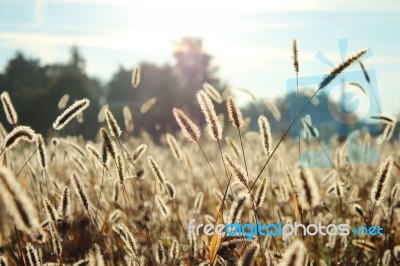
[[36, 89]]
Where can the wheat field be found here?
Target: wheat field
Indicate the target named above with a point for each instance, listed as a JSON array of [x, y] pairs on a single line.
[[124, 200]]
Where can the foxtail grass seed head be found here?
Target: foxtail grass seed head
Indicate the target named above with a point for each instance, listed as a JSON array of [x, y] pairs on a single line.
[[340, 68], [233, 146], [261, 192], [396, 252], [395, 194], [364, 70], [213, 123], [95, 256], [249, 257], [92, 151], [120, 169], [115, 216], [63, 102], [126, 236], [295, 57], [212, 92], [249, 93], [310, 130], [364, 244], [174, 250], [16, 135], [358, 210], [101, 116], [386, 258], [50, 211], [385, 119], [236, 210], [136, 77], [18, 203], [84, 262], [336, 190], [75, 147], [3, 261], [42, 154], [236, 170], [128, 119], [32, 255], [381, 181], [108, 146], [64, 207], [387, 133], [70, 113], [160, 253], [113, 126], [79, 117], [265, 132], [273, 109], [80, 191], [140, 150], [146, 106], [79, 163], [3, 131], [55, 141], [156, 169], [309, 192], [189, 129], [170, 188], [270, 258], [55, 240], [173, 145], [294, 255], [162, 207], [198, 202], [9, 109], [234, 113], [217, 195]]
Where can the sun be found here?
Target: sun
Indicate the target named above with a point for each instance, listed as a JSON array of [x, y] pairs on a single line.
[[174, 19], [155, 23]]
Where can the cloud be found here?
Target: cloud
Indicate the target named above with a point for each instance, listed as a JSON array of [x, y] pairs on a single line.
[[38, 13], [240, 6]]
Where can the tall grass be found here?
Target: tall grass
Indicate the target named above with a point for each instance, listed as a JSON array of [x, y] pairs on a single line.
[[131, 202]]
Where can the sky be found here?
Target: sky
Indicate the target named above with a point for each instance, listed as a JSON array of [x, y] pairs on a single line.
[[250, 40]]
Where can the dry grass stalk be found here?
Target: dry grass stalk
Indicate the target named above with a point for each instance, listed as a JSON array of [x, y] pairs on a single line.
[[381, 181], [213, 123], [190, 130], [70, 113], [234, 113], [9, 110]]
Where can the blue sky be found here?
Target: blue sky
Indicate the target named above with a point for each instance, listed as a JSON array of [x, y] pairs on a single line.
[[250, 40]]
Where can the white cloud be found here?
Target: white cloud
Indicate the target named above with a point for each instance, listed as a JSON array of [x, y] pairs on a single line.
[[240, 6], [38, 13]]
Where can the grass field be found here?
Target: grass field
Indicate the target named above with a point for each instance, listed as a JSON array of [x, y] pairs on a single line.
[[122, 200]]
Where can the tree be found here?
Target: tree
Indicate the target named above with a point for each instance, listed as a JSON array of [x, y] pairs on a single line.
[[193, 64], [25, 80], [76, 59], [35, 91], [194, 67], [158, 82], [173, 86]]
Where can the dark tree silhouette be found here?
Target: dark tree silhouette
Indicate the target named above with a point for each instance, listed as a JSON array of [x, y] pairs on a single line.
[[173, 86], [35, 91]]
